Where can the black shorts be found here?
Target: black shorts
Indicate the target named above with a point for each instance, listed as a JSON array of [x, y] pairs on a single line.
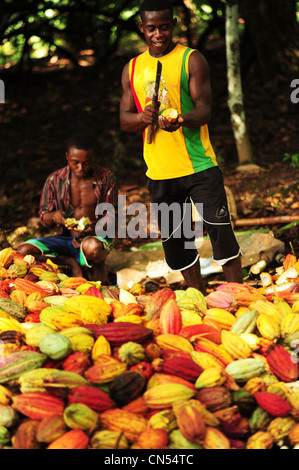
[[171, 203]]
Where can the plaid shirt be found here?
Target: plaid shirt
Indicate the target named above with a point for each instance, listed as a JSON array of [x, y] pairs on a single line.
[[56, 191]]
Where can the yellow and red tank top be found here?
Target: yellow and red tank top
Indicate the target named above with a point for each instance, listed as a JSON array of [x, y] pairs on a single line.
[[185, 151]]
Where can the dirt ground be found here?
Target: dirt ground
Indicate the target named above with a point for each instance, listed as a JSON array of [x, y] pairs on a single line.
[[44, 107]]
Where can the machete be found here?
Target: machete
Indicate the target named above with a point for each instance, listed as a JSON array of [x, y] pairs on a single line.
[[151, 127]]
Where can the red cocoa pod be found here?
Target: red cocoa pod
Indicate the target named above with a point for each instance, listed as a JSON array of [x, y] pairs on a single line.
[[144, 368], [25, 436], [274, 404], [201, 331], [214, 398], [91, 396], [93, 290], [77, 362], [74, 439], [281, 364], [237, 444], [182, 367], [156, 301], [121, 332], [38, 405], [170, 320]]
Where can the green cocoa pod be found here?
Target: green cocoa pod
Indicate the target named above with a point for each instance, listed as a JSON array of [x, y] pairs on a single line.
[[178, 441], [9, 417], [15, 364], [50, 428], [4, 436], [246, 323], [80, 416], [35, 334], [259, 420], [55, 346]]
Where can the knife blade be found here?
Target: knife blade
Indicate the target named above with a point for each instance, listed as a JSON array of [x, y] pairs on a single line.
[[151, 127]]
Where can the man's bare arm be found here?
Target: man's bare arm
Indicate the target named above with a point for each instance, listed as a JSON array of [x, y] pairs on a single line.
[[200, 92], [130, 119]]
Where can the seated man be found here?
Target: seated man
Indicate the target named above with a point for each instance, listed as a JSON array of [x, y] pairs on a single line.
[[74, 192]]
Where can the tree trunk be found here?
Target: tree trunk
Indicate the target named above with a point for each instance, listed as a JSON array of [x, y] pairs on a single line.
[[235, 94]]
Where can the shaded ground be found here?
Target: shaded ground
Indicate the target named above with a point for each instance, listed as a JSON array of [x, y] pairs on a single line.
[[43, 109]]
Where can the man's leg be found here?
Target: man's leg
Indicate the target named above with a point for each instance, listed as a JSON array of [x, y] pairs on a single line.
[[29, 249], [233, 270], [96, 254], [193, 277]]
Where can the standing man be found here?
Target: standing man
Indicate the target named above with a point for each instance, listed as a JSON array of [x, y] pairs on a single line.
[[181, 163], [74, 191]]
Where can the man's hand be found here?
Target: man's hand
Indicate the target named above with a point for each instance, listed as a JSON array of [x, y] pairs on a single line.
[[51, 218], [150, 114], [167, 126]]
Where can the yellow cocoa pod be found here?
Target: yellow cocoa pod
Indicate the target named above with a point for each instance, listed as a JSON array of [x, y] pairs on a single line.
[[172, 341], [280, 427], [82, 342], [236, 346], [164, 419], [129, 318], [163, 396], [239, 312], [206, 360], [213, 377], [289, 325], [11, 324], [190, 318], [266, 307], [215, 439], [255, 384], [170, 114], [91, 316], [222, 317], [268, 327], [77, 303], [252, 340], [260, 440], [293, 399], [5, 395], [101, 346]]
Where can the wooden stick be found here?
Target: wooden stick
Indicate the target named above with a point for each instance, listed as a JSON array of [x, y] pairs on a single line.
[[281, 219]]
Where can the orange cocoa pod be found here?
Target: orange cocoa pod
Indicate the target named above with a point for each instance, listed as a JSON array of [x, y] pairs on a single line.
[[28, 286], [156, 301], [130, 424], [74, 439], [6, 256], [105, 370], [170, 318], [137, 406], [159, 378], [244, 294], [190, 420], [37, 405], [152, 439], [281, 363], [74, 282], [19, 296], [274, 404], [224, 318], [217, 350], [129, 309], [25, 436], [205, 331], [77, 362], [36, 306]]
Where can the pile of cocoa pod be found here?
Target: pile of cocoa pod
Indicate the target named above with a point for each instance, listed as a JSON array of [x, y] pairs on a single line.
[[84, 366]]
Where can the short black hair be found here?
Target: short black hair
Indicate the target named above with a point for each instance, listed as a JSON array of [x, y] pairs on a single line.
[[81, 141], [155, 5]]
